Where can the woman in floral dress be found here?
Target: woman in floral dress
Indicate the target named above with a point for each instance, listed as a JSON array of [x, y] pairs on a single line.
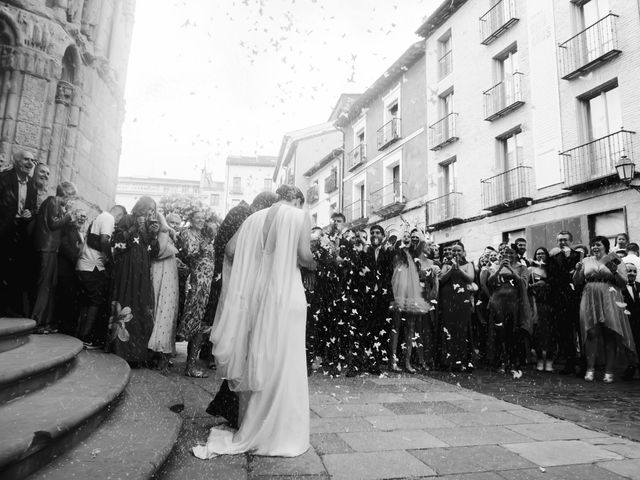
[[131, 300], [198, 255]]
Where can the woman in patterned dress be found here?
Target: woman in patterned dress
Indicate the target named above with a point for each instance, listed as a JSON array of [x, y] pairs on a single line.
[[198, 255]]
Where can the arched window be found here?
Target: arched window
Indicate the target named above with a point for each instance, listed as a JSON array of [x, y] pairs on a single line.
[[7, 33], [69, 66]]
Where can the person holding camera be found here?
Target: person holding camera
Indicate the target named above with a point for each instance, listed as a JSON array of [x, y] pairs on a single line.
[[135, 243]]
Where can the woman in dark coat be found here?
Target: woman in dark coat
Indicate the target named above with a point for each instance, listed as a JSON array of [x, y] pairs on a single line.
[[135, 243]]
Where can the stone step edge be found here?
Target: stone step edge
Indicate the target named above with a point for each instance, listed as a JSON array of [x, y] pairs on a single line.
[[16, 326], [161, 423], [53, 435], [38, 344]]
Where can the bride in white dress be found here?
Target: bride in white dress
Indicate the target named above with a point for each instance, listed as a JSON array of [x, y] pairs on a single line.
[[259, 335]]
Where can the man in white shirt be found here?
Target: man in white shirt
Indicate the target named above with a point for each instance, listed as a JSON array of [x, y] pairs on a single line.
[[91, 269]]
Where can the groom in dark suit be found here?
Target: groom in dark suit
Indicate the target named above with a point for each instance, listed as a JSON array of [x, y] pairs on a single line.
[[631, 294], [18, 197]]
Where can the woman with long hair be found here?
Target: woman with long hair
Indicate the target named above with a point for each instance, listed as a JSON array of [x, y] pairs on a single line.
[[134, 244], [602, 311], [545, 334]]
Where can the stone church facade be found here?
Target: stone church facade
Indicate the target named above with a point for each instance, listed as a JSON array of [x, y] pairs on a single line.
[[63, 67]]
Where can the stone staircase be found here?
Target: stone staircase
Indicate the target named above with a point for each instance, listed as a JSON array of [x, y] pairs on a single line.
[[69, 413]]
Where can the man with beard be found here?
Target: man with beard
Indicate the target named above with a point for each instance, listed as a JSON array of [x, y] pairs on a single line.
[[377, 270], [225, 404]]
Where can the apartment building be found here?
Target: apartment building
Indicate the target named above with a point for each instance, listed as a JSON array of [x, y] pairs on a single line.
[[529, 107], [323, 192], [385, 171], [247, 176]]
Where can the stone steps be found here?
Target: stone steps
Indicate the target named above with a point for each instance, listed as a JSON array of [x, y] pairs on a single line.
[[133, 442], [38, 362], [39, 426], [14, 332]]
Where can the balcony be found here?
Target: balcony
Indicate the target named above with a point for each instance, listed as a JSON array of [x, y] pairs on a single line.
[[498, 19], [510, 189], [356, 213], [357, 156], [331, 182], [444, 211], [445, 65], [388, 200], [312, 194], [503, 97], [443, 132], [389, 133], [589, 48], [594, 162]]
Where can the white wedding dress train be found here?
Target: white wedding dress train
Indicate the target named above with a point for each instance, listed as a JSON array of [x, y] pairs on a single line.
[[259, 341]]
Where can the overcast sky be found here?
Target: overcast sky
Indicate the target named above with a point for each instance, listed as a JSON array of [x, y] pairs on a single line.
[[210, 78]]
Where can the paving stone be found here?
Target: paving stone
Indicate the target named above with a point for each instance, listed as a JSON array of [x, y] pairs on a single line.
[[432, 396], [334, 425], [412, 408], [357, 410], [308, 463], [561, 452], [321, 476], [371, 397], [394, 440], [608, 440], [554, 431], [626, 468], [573, 472], [409, 422], [629, 451], [471, 459], [325, 443], [322, 399], [534, 416], [397, 381], [484, 405], [376, 465], [467, 436], [473, 476], [486, 418]]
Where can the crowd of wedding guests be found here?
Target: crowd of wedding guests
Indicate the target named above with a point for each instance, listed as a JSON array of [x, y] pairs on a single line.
[[379, 302]]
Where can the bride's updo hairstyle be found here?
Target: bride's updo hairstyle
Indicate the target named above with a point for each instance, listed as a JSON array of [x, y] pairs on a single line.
[[289, 193]]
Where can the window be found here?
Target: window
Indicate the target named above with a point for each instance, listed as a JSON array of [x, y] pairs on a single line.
[[510, 153], [603, 113], [507, 64], [447, 177], [446, 104], [608, 224], [314, 219], [590, 12], [268, 184], [215, 200], [236, 186], [444, 54], [511, 236], [361, 200], [332, 209]]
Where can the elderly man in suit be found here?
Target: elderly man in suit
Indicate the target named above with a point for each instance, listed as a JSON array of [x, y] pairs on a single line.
[[17, 210], [631, 294]]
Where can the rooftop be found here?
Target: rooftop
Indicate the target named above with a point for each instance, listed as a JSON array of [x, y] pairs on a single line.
[[439, 16]]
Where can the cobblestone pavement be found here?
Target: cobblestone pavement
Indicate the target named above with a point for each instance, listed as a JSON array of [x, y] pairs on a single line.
[[425, 427]]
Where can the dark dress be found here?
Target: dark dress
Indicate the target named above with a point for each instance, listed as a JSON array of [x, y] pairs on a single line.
[[131, 299], [455, 319]]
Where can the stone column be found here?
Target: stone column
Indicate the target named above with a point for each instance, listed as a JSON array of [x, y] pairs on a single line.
[[64, 93]]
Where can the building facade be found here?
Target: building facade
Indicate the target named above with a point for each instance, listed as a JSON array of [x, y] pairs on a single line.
[[323, 192], [247, 177], [210, 193], [527, 119], [384, 173], [63, 68]]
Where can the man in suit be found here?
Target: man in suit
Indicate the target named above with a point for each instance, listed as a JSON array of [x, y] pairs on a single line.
[[631, 294], [18, 196], [378, 269], [565, 299]]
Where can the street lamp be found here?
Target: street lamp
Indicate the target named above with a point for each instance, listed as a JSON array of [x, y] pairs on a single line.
[[626, 170]]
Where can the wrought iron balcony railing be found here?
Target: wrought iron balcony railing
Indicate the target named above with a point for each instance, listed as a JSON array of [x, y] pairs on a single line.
[[444, 210], [312, 194], [503, 97], [357, 156], [389, 199], [389, 133], [445, 65], [331, 182], [498, 19], [587, 49], [355, 212], [443, 132], [507, 189], [595, 161]]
